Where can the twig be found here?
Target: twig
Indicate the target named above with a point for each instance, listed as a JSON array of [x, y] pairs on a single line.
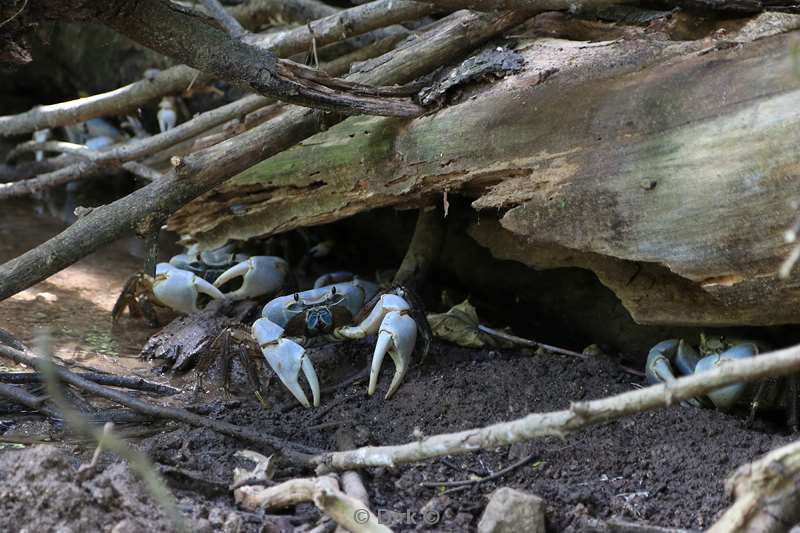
[[254, 14], [354, 21], [527, 342], [135, 149], [23, 397], [110, 380], [560, 423], [227, 20], [142, 171], [15, 15], [478, 481], [86, 471], [292, 451], [766, 492], [324, 492]]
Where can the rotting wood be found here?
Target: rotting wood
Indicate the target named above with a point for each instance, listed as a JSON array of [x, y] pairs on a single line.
[[620, 156]]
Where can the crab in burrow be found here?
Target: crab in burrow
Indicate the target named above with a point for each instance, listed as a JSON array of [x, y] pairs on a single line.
[[672, 355], [339, 307]]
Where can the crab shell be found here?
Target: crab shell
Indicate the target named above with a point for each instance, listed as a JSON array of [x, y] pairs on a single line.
[[349, 298]]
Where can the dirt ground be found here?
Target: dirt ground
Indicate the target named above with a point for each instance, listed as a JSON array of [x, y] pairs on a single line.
[[665, 468]]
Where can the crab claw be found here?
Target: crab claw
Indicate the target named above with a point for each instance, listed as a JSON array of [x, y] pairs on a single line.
[[665, 354], [397, 336], [286, 358], [179, 289], [261, 275], [726, 397]]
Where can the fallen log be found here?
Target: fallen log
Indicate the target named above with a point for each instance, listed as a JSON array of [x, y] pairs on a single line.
[[665, 167]]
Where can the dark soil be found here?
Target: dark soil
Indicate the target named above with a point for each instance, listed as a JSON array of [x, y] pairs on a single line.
[[666, 467]]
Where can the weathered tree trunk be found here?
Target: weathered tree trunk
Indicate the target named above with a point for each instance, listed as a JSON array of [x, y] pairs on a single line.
[[667, 168]]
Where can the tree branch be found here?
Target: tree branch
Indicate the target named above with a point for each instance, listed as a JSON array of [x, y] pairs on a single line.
[[136, 149], [292, 451], [200, 172], [177, 79], [226, 20], [165, 28], [559, 423]]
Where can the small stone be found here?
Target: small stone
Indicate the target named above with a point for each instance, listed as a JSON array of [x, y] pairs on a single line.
[[510, 511], [125, 526], [592, 350], [233, 523], [47, 297], [202, 525]]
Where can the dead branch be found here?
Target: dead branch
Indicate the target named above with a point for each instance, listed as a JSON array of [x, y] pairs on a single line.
[[477, 481], [538, 6], [135, 149], [293, 452], [175, 80], [23, 397], [323, 491], [203, 170], [126, 153], [356, 21], [766, 492], [254, 14], [741, 6], [117, 102], [226, 19], [560, 423], [109, 380], [163, 27]]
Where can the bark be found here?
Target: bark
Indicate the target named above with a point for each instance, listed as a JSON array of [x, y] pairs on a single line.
[[200, 172], [664, 167]]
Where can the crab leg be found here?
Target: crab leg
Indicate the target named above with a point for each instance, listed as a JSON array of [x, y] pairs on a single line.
[[286, 358], [261, 275], [397, 334], [665, 354]]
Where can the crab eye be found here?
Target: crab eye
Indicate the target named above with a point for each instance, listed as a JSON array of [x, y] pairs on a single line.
[[296, 297]]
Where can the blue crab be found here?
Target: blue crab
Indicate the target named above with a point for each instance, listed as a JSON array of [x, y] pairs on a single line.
[[287, 322], [188, 281], [339, 307], [676, 355], [672, 354]]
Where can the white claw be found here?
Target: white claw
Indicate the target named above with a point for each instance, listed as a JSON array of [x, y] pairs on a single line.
[[262, 275], [398, 333], [179, 289], [286, 358]]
